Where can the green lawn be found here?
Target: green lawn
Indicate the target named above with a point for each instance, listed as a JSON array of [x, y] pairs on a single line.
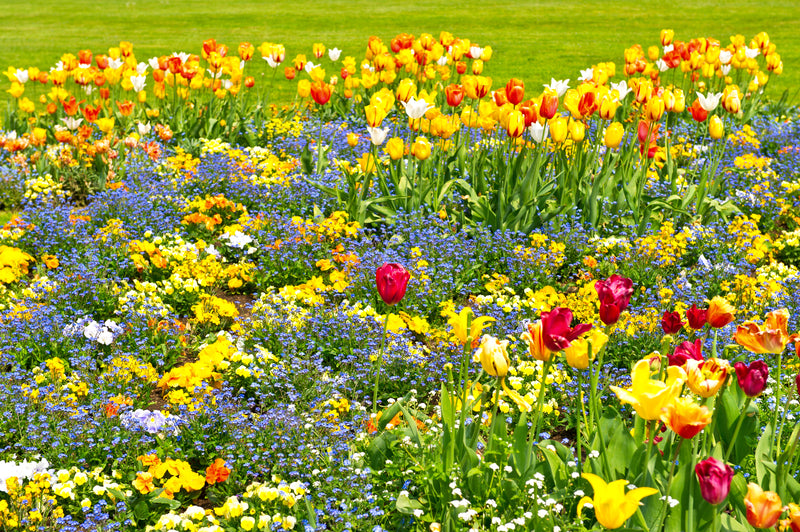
[[532, 40]]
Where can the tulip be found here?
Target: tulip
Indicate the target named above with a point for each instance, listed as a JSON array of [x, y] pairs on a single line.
[[685, 417], [516, 124], [614, 294], [763, 507], [395, 148], [421, 149], [655, 109], [556, 330], [706, 377], [613, 135], [716, 128], [416, 109], [558, 129], [577, 354], [697, 111], [793, 519], [709, 102], [375, 115], [535, 341], [753, 378], [720, 312], [612, 506], [391, 280], [549, 104], [714, 478], [577, 130], [454, 94], [352, 140], [493, 355], [459, 322], [696, 317], [648, 396], [377, 135], [303, 88], [515, 91], [772, 338], [686, 351], [671, 322]]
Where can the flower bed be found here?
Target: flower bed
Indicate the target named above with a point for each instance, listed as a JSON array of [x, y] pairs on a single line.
[[406, 302]]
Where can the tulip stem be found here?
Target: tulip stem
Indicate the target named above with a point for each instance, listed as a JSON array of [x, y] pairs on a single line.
[[540, 400], [495, 407], [665, 507], [379, 361], [778, 390], [738, 427]]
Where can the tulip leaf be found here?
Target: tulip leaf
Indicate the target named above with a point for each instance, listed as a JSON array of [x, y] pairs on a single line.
[[405, 505], [620, 445], [765, 467], [729, 524], [737, 493]]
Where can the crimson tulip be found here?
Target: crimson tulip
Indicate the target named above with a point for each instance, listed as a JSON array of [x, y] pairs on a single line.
[[392, 281], [714, 478], [614, 294], [753, 378], [556, 331], [696, 317], [686, 351], [671, 322]]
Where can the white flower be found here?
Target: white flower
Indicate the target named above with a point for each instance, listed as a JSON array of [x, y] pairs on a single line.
[[271, 62], [141, 68], [559, 86], [587, 74], [72, 123], [751, 53], [182, 55], [138, 82], [475, 52], [725, 56], [214, 75], [662, 65], [143, 129], [91, 330], [334, 54], [538, 132], [710, 102], [668, 48], [416, 109], [725, 69], [22, 76], [114, 63], [442, 61], [237, 240], [377, 135], [105, 337], [621, 88], [153, 61], [310, 66]]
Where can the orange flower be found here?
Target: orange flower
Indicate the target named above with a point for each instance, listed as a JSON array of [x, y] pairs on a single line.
[[535, 341], [763, 507], [685, 417], [149, 460], [321, 92], [51, 261], [772, 337], [793, 521], [217, 472], [706, 377], [125, 108], [144, 482], [720, 312]]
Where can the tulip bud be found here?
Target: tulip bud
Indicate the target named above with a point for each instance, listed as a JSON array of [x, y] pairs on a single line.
[[655, 109], [515, 91], [614, 294], [558, 129], [613, 135], [671, 322], [696, 317], [494, 356], [577, 130], [352, 140], [394, 148], [714, 478], [719, 313], [454, 94], [764, 508], [686, 351], [391, 280], [516, 124], [421, 149], [549, 104]]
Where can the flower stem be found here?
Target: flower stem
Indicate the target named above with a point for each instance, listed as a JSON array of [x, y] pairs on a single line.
[[665, 507], [379, 362], [540, 400], [738, 426]]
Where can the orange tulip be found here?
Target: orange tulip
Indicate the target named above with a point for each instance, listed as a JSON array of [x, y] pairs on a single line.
[[772, 337], [763, 507], [454, 94], [321, 92], [515, 91], [549, 104], [535, 341], [706, 377], [685, 417], [720, 312]]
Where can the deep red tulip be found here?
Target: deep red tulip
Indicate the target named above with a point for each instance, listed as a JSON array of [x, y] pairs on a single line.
[[556, 331], [797, 382], [392, 280], [686, 351], [515, 91], [696, 317], [614, 294], [714, 478], [671, 322], [753, 378], [321, 92]]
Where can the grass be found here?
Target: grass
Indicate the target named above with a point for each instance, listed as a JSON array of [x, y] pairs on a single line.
[[532, 40]]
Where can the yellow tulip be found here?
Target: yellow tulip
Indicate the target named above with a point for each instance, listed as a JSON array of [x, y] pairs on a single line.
[[649, 396], [395, 148], [715, 128], [558, 129], [577, 353], [613, 135], [612, 506], [493, 355], [577, 130], [459, 322], [421, 149], [706, 377]]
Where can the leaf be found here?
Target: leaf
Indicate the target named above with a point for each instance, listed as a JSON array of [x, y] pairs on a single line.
[[763, 458], [729, 524], [405, 505]]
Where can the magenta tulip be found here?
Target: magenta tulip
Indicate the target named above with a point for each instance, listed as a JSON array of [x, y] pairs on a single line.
[[714, 478], [392, 280], [614, 294], [556, 331], [685, 351], [753, 378]]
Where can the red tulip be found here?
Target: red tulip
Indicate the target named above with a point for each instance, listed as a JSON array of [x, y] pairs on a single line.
[[454, 94], [321, 92], [556, 330], [753, 378], [515, 91], [686, 351], [696, 317], [797, 382], [392, 280], [714, 478], [671, 322], [614, 294]]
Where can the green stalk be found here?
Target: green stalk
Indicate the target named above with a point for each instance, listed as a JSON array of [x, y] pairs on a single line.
[[540, 400], [379, 361], [495, 407], [738, 426], [778, 390], [665, 507]]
